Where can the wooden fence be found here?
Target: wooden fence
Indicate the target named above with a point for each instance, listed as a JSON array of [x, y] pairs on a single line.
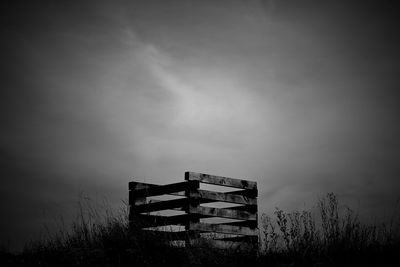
[[197, 216]]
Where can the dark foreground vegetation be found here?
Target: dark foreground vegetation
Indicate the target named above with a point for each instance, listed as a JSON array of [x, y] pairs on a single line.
[[329, 237]]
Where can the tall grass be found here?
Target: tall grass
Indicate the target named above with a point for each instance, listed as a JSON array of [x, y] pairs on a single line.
[[100, 237], [329, 237]]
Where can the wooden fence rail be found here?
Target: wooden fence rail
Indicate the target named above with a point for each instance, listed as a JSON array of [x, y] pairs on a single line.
[[231, 227]]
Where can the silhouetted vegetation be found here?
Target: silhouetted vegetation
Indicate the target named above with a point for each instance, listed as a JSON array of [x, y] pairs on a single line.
[[328, 237]]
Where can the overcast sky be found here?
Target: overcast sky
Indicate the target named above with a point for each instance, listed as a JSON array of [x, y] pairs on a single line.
[[300, 96]]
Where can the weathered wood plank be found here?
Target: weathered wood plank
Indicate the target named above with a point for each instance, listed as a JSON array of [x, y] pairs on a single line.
[[139, 185], [221, 228], [133, 186], [156, 220], [135, 199], [224, 197], [162, 205], [220, 180], [250, 224], [166, 235], [243, 238], [166, 189], [246, 192], [223, 213], [248, 208], [133, 196]]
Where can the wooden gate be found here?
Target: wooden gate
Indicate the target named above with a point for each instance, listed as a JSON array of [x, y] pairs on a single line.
[[225, 217]]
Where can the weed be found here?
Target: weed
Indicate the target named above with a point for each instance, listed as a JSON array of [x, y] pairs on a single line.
[[329, 237]]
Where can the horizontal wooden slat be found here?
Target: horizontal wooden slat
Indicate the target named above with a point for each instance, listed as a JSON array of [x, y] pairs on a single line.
[[201, 201], [223, 213], [162, 205], [221, 228], [139, 185], [165, 189], [224, 197], [246, 192], [248, 208], [134, 199], [178, 235], [251, 224], [243, 238], [220, 180], [155, 220]]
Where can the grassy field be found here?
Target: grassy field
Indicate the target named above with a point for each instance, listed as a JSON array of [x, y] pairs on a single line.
[[328, 237]]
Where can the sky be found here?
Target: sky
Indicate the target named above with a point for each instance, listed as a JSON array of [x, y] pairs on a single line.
[[300, 96]]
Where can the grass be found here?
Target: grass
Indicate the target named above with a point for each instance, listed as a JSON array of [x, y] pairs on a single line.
[[328, 237]]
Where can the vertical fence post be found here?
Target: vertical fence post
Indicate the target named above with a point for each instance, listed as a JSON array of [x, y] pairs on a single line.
[[135, 200], [256, 246], [192, 193]]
